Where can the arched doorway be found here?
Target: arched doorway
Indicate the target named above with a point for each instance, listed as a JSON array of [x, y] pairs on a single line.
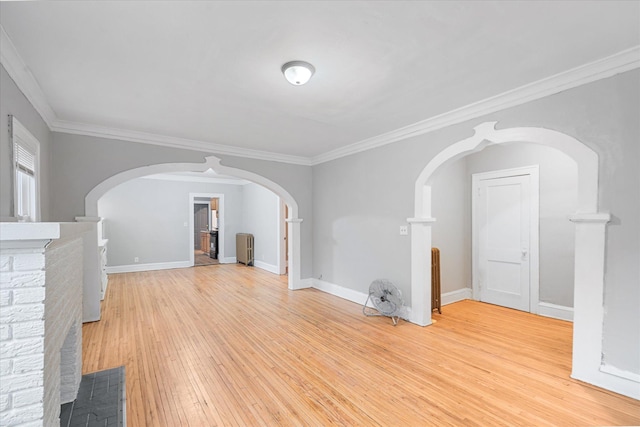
[[589, 242], [212, 162]]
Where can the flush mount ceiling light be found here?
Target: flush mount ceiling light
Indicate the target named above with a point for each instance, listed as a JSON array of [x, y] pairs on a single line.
[[298, 72]]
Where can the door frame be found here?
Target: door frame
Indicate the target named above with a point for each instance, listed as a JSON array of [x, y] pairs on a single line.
[[282, 237], [199, 202], [192, 201], [534, 229]]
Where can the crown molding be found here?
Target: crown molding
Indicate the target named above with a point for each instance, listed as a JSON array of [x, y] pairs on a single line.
[[173, 142], [620, 62], [21, 75]]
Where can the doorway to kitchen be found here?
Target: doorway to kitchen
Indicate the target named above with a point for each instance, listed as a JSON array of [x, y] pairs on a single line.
[[205, 228]]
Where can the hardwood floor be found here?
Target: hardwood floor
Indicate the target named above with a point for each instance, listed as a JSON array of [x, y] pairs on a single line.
[[202, 258], [230, 345]]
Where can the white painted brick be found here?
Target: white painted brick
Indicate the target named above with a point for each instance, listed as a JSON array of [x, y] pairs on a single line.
[[26, 364], [62, 282], [22, 313], [6, 367], [17, 348], [13, 383], [27, 262], [21, 279], [28, 414], [28, 295], [5, 332], [5, 298], [27, 397], [5, 402], [5, 263], [30, 329]]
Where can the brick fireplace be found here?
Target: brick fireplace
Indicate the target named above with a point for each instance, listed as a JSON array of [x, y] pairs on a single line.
[[41, 284]]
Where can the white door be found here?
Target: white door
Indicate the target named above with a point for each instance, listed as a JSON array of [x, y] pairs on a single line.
[[505, 217]]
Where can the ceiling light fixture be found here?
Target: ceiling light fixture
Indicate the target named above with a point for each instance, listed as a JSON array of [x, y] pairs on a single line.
[[298, 72]]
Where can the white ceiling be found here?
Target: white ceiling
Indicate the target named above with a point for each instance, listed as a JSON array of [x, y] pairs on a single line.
[[210, 71]]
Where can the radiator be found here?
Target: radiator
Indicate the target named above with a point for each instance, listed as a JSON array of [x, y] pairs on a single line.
[[244, 248], [435, 280]]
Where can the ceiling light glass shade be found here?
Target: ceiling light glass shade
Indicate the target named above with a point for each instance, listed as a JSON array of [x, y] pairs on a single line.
[[298, 72]]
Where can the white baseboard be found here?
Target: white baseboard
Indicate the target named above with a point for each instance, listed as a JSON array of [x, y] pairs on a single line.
[[228, 260], [339, 291], [268, 267], [304, 284], [555, 311], [455, 296], [350, 295], [612, 370], [614, 379], [147, 267]]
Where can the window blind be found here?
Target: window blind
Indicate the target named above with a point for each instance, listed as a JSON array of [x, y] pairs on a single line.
[[25, 159]]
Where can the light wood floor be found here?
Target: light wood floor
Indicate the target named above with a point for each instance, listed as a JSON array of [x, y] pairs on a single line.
[[203, 258], [230, 345]]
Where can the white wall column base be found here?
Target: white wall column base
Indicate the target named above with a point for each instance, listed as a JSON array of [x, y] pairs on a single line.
[[421, 270], [589, 308]]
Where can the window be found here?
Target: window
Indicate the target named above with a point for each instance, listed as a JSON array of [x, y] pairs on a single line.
[[26, 150]]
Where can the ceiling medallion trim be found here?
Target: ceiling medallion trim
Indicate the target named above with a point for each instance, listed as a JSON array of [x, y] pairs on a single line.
[[620, 62]]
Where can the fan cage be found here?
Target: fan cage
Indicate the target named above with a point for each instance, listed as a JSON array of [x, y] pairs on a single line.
[[386, 298]]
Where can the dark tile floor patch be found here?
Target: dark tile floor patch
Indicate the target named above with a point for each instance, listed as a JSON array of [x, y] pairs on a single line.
[[100, 402]]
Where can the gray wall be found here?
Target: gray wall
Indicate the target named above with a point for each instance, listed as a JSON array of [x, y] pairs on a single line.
[[297, 180], [145, 218], [260, 218], [558, 200], [360, 200], [13, 102], [451, 206], [79, 163]]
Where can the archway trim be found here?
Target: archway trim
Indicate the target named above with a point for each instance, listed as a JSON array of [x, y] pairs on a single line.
[[589, 247], [211, 162]]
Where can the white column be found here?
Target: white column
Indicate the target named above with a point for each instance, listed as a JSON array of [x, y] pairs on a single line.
[[93, 268], [421, 270], [588, 315], [293, 225], [589, 296]]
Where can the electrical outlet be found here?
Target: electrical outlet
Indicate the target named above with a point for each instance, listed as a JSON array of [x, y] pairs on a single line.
[[404, 230], [185, 224], [136, 259]]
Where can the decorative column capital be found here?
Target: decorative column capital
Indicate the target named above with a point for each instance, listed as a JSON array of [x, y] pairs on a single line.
[[591, 218], [421, 220]]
